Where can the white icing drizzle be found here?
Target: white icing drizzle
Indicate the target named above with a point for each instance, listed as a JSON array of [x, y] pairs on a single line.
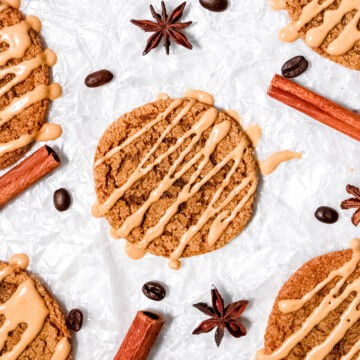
[[330, 302], [346, 40], [18, 39]]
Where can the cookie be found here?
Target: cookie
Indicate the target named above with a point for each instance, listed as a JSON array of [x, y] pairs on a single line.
[[31, 322], [331, 28], [315, 314], [25, 89], [175, 178]]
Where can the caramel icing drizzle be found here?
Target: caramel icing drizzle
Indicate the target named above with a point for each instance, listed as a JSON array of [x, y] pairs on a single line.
[[200, 160], [222, 217], [46, 133], [5, 4], [316, 36], [268, 166], [330, 302], [25, 306], [18, 39], [278, 4], [62, 350], [201, 96]]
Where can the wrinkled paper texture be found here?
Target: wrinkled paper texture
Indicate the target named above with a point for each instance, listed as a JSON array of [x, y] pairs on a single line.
[[235, 55]]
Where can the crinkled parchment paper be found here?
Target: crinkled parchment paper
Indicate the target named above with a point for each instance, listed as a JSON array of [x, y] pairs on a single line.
[[235, 55]]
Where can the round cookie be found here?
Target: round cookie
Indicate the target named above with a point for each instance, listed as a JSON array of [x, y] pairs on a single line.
[[351, 58], [53, 335], [282, 325], [172, 177], [32, 118]]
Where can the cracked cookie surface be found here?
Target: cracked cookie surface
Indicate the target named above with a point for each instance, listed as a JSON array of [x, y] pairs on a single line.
[[116, 171]]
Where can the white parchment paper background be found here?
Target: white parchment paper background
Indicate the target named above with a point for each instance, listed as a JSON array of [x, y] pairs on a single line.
[[235, 55]]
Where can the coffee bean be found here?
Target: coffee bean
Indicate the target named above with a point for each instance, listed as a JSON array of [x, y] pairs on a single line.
[[62, 200], [75, 319], [294, 67], [326, 215], [154, 291], [98, 78], [215, 5]]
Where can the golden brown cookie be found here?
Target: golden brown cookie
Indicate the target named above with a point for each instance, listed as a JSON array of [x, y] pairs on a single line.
[[36, 325], [29, 92], [338, 42], [176, 178], [327, 301]]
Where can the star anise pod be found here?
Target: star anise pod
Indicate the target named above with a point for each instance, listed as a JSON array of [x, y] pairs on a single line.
[[353, 203], [166, 27], [221, 317]]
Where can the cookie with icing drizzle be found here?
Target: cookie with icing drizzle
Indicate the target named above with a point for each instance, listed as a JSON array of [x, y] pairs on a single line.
[[25, 89], [330, 27], [175, 178], [32, 325], [316, 314]]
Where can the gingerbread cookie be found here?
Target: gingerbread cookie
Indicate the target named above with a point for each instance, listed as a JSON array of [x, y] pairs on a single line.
[[32, 325], [25, 89], [315, 315], [330, 27], [176, 178]]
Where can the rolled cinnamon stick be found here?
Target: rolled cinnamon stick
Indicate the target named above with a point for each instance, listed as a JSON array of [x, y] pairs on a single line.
[[22, 176], [141, 336], [315, 106]]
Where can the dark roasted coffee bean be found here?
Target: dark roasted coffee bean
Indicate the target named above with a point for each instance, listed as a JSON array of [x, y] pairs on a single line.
[[75, 319], [98, 78], [62, 199], [215, 5], [154, 291], [294, 67], [326, 215]]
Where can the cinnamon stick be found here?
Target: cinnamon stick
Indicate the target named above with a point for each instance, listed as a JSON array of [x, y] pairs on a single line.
[[22, 176], [141, 336], [315, 106]]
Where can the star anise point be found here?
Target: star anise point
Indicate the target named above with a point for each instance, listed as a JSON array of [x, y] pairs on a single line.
[[166, 27]]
